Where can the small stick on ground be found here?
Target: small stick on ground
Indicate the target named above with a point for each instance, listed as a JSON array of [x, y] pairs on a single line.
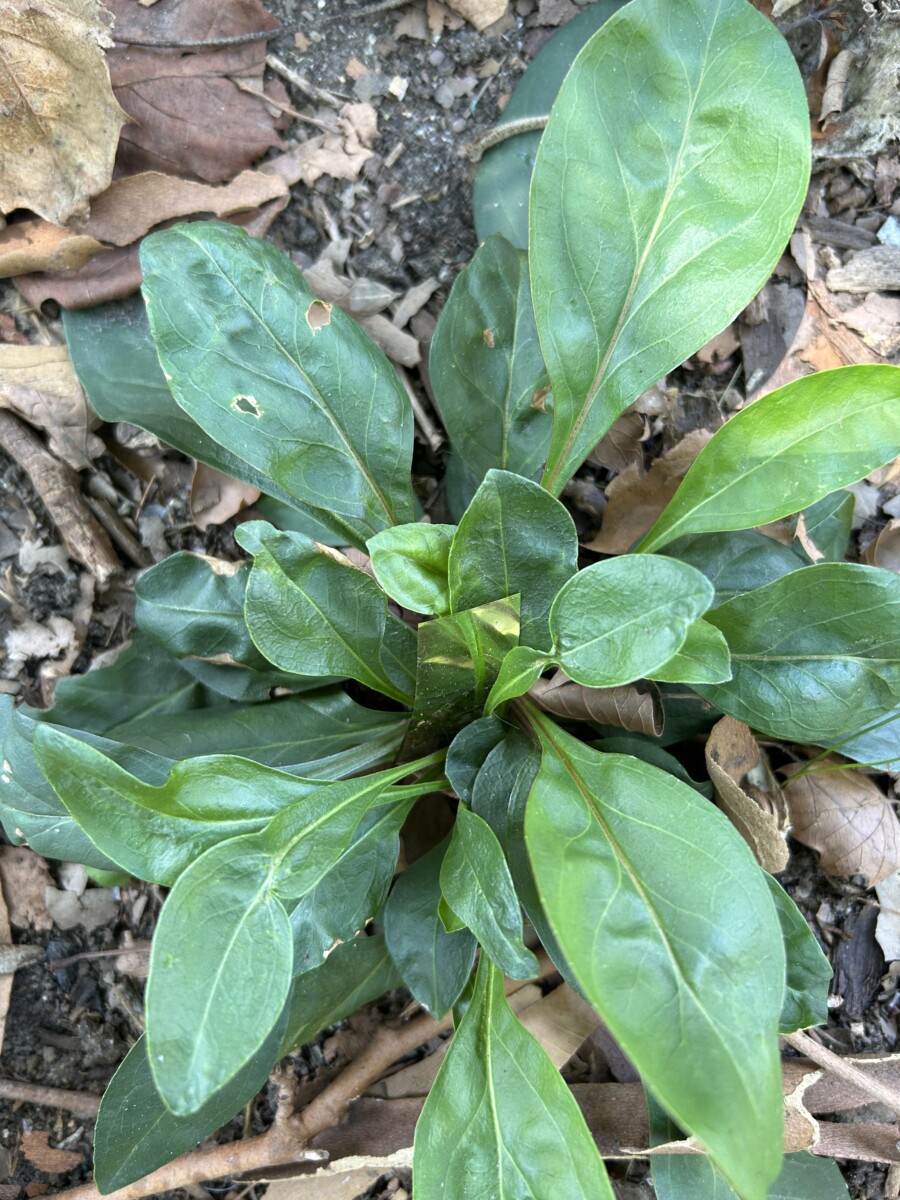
[[80, 1104], [301, 83], [845, 1070]]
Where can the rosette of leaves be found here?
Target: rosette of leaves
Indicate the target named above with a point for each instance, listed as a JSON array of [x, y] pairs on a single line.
[[227, 758]]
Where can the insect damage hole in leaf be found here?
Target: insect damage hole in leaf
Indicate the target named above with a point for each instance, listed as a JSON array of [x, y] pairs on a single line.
[[318, 315], [248, 405]]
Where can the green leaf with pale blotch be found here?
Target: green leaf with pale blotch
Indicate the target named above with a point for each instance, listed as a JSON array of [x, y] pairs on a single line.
[[499, 1121], [786, 451], [296, 387], [736, 562], [459, 658], [354, 973], [434, 964], [488, 376], [815, 655], [514, 538], [667, 183], [623, 619], [136, 1133], [668, 925], [410, 563], [808, 970], [520, 668], [477, 885], [310, 611], [115, 359], [828, 524], [703, 658], [213, 1000]]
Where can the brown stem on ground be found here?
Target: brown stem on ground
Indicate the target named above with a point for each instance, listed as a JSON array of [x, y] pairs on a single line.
[[81, 1104], [836, 1065]]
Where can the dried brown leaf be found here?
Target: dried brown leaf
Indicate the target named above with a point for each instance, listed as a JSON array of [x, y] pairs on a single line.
[[37, 1149], [216, 497], [635, 707], [39, 246], [339, 155], [884, 552], [561, 1021], [747, 791], [61, 120], [25, 876], [620, 446], [722, 346], [98, 906], [191, 22], [634, 501], [39, 383], [846, 818]]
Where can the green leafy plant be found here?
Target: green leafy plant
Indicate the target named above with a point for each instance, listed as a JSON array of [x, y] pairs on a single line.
[[277, 721]]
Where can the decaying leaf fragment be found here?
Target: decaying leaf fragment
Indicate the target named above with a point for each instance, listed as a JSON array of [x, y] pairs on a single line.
[[635, 707], [61, 121], [747, 791], [845, 817], [39, 383]]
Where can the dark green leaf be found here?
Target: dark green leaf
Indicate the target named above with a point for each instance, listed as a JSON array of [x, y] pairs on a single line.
[[467, 753], [410, 563], [667, 923], [808, 970], [213, 1000], [786, 451], [515, 538], [136, 1133], [667, 182], [499, 1121], [623, 619], [736, 562], [703, 658], [650, 751], [489, 378], [828, 524], [815, 655], [476, 883], [434, 964], [310, 611], [876, 743], [353, 974], [502, 182], [299, 387]]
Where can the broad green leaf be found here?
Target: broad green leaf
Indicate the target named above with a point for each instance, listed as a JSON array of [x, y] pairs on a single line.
[[828, 524], [310, 611], [623, 619], [668, 925], [136, 1133], [499, 1121], [467, 752], [353, 891], [808, 1177], [476, 883], [410, 563], [459, 659], [220, 973], [514, 538], [154, 832], [117, 365], [354, 973], [299, 387], [808, 970], [667, 182], [736, 562], [876, 743], [520, 669], [503, 179], [703, 658], [488, 376], [786, 451], [434, 964], [650, 751], [815, 655]]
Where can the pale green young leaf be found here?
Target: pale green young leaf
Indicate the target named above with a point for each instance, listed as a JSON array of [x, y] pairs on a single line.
[[702, 658], [666, 921], [520, 668], [477, 885], [786, 451], [410, 563], [815, 655], [499, 1121], [667, 183]]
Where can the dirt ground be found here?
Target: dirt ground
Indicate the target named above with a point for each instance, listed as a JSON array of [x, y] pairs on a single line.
[[408, 218]]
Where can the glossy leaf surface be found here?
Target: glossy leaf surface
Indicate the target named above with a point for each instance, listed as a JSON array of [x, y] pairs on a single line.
[[620, 620], [630, 864], [808, 970], [488, 374], [410, 563], [518, 672], [315, 614], [467, 752], [477, 885], [786, 451], [737, 561], [499, 1121], [815, 655], [296, 385], [667, 182], [514, 538], [702, 658]]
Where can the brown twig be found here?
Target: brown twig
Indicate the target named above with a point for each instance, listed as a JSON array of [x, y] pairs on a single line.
[[845, 1070], [301, 82], [81, 1104]]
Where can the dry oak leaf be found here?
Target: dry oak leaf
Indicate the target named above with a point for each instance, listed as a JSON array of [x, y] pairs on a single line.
[[747, 791], [39, 246], [61, 120], [846, 818], [39, 383]]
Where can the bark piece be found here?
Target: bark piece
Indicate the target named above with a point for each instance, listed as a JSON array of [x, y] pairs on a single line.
[[874, 270]]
